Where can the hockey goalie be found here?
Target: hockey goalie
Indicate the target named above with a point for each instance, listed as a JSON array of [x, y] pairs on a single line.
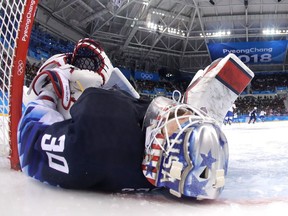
[[87, 128]]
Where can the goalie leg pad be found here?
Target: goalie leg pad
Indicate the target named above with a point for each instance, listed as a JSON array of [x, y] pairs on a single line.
[[219, 86]]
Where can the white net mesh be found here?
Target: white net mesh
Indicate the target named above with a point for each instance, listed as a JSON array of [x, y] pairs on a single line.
[[4, 141], [10, 16]]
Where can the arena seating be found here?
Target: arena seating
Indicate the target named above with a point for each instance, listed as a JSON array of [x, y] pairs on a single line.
[[262, 92]]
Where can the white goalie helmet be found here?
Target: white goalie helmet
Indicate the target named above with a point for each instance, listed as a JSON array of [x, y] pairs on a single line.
[[185, 150]]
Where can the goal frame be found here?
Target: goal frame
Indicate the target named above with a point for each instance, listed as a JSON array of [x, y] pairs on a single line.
[[17, 78]]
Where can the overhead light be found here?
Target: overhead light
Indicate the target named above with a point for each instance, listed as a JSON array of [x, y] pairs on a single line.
[[212, 2], [161, 28], [216, 34], [274, 31]]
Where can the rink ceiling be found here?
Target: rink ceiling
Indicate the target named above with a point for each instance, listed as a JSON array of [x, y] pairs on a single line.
[[122, 28]]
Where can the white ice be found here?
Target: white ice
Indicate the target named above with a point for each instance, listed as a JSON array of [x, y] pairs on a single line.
[[257, 183]]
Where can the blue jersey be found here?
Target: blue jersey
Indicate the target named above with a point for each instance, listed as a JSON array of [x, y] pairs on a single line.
[[253, 113], [100, 147]]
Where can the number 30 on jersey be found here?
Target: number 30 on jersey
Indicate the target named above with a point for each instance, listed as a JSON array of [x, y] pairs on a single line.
[[55, 144]]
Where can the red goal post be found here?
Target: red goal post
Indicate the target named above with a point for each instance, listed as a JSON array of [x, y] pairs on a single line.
[[16, 21]]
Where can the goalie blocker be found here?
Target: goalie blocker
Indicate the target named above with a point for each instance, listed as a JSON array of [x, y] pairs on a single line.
[[215, 89]]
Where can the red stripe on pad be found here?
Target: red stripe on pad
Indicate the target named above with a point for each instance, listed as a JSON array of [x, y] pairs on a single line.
[[234, 76]]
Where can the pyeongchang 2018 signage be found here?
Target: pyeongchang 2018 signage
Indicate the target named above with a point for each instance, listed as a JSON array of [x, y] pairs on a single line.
[[141, 75], [266, 52]]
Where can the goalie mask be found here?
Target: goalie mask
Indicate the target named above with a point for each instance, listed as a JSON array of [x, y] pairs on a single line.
[[185, 150]]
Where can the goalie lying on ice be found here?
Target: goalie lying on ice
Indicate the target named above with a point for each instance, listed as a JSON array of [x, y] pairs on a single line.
[[83, 133]]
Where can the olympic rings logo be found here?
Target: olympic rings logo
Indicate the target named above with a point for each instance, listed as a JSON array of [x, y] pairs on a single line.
[[20, 68], [146, 76]]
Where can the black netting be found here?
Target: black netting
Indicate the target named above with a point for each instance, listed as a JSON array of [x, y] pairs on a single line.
[[86, 58]]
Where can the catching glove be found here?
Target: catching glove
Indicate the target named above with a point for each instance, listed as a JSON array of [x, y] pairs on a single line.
[[89, 55]]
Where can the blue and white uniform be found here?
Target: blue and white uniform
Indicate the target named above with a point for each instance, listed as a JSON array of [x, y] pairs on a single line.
[[101, 147], [262, 115]]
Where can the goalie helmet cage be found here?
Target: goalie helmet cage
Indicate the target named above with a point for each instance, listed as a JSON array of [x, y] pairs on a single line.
[[16, 21]]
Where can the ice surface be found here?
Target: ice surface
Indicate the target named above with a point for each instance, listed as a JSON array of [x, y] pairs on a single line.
[[257, 183]]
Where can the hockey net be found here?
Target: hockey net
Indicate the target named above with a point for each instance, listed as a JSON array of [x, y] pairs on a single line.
[[16, 20]]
